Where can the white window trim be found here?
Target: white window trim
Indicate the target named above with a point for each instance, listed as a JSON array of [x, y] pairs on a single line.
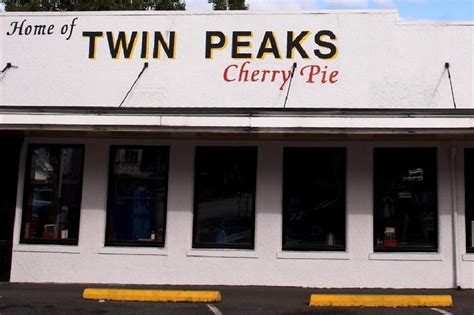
[[125, 250], [40, 248], [222, 253], [468, 257], [313, 255], [406, 256]]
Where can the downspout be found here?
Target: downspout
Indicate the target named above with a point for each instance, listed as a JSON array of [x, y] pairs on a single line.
[[454, 220]]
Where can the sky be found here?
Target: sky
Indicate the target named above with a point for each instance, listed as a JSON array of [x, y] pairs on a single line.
[[431, 10], [425, 10]]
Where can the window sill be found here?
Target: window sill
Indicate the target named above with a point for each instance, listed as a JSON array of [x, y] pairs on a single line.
[[468, 257], [222, 253], [145, 251], [313, 255], [406, 256], [55, 249], [132, 244]]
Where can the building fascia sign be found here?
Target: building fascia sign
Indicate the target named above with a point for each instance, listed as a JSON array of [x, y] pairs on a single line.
[[200, 60], [237, 44]]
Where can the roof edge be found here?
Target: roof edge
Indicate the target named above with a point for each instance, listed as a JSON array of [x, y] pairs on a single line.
[[400, 21], [234, 12]]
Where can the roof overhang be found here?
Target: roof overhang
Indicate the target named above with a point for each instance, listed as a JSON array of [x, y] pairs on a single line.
[[241, 121]]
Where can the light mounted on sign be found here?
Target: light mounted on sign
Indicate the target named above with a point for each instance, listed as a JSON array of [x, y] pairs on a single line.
[[145, 65], [446, 66], [293, 68], [8, 66]]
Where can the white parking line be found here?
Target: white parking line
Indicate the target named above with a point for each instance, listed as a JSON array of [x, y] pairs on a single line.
[[441, 311], [214, 309]]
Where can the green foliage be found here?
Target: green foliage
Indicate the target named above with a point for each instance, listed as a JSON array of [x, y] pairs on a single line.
[[168, 5], [93, 5], [229, 5]]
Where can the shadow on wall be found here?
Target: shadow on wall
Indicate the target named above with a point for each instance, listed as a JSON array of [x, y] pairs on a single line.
[[438, 84]]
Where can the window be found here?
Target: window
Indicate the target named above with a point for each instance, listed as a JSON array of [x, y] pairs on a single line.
[[138, 183], [314, 198], [52, 197], [405, 199], [469, 195], [224, 197]]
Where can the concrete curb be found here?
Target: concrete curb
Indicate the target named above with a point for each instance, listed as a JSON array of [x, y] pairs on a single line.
[[380, 300], [152, 295]]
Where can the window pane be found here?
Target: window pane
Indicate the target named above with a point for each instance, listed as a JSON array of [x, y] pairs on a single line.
[[405, 199], [314, 201], [138, 184], [53, 191], [469, 195], [224, 197]]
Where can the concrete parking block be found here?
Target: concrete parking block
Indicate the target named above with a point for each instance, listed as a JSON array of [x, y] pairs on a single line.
[[380, 300], [192, 296]]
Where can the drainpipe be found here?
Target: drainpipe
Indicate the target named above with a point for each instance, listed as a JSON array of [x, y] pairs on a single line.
[[454, 220]]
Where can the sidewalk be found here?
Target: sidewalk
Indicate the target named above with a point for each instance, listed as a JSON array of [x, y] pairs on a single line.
[[67, 299]]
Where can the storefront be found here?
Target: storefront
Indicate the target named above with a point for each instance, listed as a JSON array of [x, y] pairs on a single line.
[[325, 149]]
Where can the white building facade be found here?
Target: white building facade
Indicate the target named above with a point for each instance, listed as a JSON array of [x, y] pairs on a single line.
[[323, 149]]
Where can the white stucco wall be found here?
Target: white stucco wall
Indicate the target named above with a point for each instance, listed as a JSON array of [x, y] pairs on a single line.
[[178, 263], [382, 62]]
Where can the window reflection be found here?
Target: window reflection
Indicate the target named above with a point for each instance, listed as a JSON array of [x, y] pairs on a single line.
[[224, 197], [314, 198], [53, 193], [137, 195], [405, 199]]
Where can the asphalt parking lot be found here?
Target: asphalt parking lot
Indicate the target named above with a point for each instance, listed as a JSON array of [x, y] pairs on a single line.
[[67, 299]]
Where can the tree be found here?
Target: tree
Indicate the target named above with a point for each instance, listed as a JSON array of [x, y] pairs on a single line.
[[229, 5], [93, 5], [168, 5]]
